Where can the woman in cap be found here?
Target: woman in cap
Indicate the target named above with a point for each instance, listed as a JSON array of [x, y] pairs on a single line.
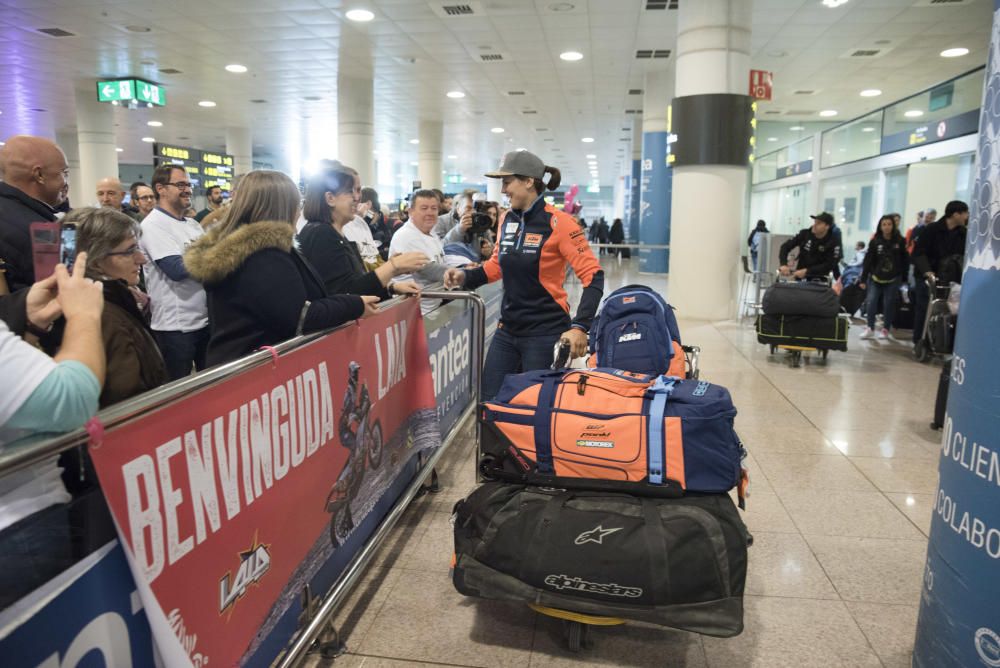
[[535, 243]]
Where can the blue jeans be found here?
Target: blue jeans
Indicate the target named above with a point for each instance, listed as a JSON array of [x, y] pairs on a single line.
[[514, 354], [182, 350], [882, 299]]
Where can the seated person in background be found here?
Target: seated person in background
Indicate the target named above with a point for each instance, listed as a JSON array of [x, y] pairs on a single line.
[[819, 250], [111, 241], [329, 206], [261, 290], [42, 394], [416, 235], [859, 254]]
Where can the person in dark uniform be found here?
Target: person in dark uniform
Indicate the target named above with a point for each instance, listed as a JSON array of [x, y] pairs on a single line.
[[535, 244], [819, 250]]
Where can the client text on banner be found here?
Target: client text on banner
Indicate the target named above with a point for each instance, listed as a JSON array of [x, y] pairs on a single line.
[[229, 500]]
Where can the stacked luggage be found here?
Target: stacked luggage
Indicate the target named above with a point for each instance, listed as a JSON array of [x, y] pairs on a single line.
[[803, 314], [607, 488]]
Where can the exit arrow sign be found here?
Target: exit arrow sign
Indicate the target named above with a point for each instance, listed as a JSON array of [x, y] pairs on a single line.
[[127, 90]]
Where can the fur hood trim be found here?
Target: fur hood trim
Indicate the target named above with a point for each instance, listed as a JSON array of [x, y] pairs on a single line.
[[211, 259]]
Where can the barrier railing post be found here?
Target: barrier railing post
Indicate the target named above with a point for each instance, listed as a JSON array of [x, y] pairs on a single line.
[[352, 573]]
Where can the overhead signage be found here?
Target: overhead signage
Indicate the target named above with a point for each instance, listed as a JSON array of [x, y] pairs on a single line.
[[205, 168], [761, 84], [131, 90], [801, 167], [934, 131]]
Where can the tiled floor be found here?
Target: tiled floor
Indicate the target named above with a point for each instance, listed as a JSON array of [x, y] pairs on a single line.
[[843, 471]]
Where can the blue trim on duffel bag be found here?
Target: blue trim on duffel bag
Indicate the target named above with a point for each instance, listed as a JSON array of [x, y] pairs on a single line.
[[543, 424], [660, 391]]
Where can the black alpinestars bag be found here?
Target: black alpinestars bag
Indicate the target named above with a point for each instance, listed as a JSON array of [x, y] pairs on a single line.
[[675, 562]]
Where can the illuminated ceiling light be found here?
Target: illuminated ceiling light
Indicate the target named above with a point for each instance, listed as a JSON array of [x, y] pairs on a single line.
[[414, 164], [587, 140], [833, 4], [154, 124], [496, 131], [522, 149], [236, 68], [954, 53], [455, 94], [868, 129], [914, 113], [206, 103], [827, 113], [414, 141], [870, 92], [772, 139], [591, 155], [453, 157], [119, 150], [796, 128], [359, 15], [571, 56], [149, 140]]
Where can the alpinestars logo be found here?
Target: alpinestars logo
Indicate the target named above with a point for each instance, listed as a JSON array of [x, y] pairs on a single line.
[[579, 584], [254, 563], [632, 336], [595, 535]]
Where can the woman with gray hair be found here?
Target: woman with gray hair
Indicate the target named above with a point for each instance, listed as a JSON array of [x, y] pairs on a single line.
[[111, 241]]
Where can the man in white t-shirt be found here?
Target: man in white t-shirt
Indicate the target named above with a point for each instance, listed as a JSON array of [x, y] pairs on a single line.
[[180, 310], [416, 235]]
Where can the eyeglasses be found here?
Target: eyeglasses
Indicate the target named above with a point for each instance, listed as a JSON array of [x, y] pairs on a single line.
[[128, 252], [146, 197], [181, 185]]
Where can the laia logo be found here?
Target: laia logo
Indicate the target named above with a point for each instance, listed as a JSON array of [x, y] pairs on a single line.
[[254, 563]]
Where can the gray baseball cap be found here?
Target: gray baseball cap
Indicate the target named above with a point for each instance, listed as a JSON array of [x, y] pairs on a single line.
[[519, 163]]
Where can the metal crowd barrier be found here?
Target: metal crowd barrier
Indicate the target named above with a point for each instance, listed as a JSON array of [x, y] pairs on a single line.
[[26, 452]]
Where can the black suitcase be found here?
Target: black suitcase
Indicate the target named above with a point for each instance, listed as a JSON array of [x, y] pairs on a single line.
[[803, 330], [903, 319], [801, 298], [941, 400], [626, 253], [675, 562], [851, 298]]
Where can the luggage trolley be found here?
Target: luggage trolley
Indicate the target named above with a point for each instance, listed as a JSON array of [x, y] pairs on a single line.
[[939, 325], [803, 334]]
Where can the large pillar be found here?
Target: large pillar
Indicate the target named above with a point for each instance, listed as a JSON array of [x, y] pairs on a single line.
[[655, 186], [634, 181], [431, 135], [95, 128], [959, 622], [711, 117], [239, 144], [70, 144], [356, 124]]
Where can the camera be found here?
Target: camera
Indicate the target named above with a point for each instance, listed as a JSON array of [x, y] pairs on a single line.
[[481, 220]]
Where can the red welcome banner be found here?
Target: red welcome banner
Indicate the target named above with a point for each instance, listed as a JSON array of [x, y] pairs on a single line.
[[229, 500]]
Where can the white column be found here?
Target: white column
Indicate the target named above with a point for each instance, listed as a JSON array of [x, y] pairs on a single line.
[[709, 201], [95, 128], [239, 144], [431, 136], [70, 144], [356, 124]]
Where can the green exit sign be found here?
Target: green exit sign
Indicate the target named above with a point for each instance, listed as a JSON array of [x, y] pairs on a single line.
[[127, 90]]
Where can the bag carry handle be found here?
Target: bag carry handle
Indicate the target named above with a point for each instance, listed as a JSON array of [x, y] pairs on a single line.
[[543, 423], [661, 391]]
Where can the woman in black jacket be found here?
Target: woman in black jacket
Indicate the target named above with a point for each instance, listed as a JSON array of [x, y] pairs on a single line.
[[261, 291], [886, 264], [330, 204]]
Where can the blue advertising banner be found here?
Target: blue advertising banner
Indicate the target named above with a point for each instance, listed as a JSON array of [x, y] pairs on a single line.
[[450, 348], [634, 201], [654, 213], [959, 623], [91, 610]]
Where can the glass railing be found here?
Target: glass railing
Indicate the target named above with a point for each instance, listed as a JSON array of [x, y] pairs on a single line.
[[944, 111]]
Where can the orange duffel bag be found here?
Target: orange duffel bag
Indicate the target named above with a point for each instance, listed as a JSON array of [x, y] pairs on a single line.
[[607, 429]]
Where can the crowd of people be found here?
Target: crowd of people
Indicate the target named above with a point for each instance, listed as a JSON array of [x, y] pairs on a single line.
[[932, 252]]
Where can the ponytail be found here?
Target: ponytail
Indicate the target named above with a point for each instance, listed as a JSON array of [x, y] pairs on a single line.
[[555, 178]]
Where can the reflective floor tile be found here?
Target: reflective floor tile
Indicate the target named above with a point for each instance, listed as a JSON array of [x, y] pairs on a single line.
[[846, 513], [900, 475], [864, 443], [782, 564], [889, 628], [815, 472], [875, 570], [917, 507], [634, 645]]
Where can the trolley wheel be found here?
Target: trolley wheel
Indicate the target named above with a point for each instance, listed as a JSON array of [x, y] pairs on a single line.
[[576, 636], [921, 351], [935, 426], [824, 354], [774, 348], [486, 464], [795, 358]]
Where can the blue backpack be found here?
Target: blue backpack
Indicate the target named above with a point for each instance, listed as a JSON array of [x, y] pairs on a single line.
[[636, 331]]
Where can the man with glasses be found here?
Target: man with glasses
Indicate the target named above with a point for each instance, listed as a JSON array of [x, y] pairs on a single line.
[[34, 175], [179, 308], [143, 201]]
